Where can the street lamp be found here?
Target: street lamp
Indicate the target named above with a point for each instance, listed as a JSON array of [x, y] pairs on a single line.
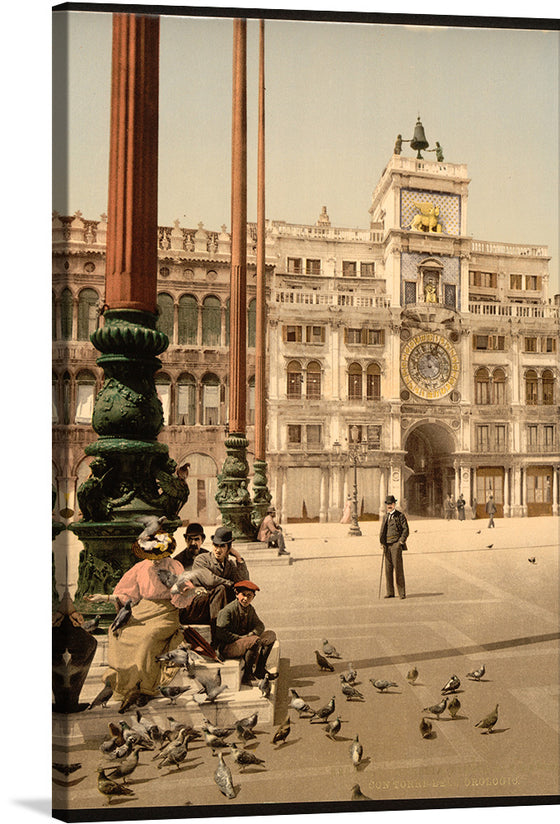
[[356, 451]]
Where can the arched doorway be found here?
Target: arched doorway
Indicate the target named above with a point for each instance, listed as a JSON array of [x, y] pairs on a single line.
[[428, 468]]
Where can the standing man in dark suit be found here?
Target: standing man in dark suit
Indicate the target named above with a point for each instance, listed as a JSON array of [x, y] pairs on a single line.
[[392, 537]]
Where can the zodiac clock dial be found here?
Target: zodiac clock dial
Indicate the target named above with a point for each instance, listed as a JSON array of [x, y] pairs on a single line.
[[429, 366]]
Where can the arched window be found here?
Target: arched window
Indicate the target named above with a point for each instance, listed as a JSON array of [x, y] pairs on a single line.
[[252, 323], [482, 387], [165, 318], [186, 400], [211, 321], [163, 389], [548, 387], [313, 381], [373, 382], [227, 321], [210, 400], [85, 396], [66, 397], [87, 313], [251, 400], [55, 401], [499, 387], [355, 382], [294, 380], [188, 320], [66, 314], [531, 388]]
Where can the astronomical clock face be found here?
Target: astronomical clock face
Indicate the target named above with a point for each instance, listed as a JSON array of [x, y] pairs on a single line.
[[429, 366]]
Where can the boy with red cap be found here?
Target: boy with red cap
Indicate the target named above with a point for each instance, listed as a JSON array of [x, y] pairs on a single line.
[[240, 633]]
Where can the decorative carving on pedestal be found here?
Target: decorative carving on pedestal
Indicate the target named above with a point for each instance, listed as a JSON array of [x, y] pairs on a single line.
[[233, 497]]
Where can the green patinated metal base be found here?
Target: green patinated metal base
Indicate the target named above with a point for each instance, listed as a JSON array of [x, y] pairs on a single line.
[[261, 494], [132, 476], [232, 497]]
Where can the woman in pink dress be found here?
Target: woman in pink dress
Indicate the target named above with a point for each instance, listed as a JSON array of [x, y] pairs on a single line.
[[153, 627], [347, 514]]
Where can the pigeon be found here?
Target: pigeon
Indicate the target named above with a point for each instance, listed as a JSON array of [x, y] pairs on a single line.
[[249, 721], [175, 742], [66, 769], [382, 685], [91, 626], [122, 617], [176, 754], [329, 650], [222, 777], [454, 706], [243, 758], [322, 662], [116, 739], [412, 675], [351, 675], [101, 698], [172, 692], [109, 788], [264, 686], [425, 728], [152, 525], [219, 732], [489, 546], [357, 794], [126, 765], [478, 531], [532, 560], [244, 733], [487, 724], [211, 694], [298, 704], [356, 751], [135, 696], [333, 728], [166, 577], [323, 713], [148, 728], [178, 657], [477, 674], [214, 741], [452, 685], [349, 691], [437, 709], [282, 732]]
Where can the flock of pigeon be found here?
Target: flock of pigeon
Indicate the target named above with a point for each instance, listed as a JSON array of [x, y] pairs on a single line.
[[170, 746]]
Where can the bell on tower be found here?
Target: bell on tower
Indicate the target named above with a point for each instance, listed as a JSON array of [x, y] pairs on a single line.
[[419, 141]]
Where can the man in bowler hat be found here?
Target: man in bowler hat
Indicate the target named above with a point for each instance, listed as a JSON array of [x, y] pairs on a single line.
[[392, 537]]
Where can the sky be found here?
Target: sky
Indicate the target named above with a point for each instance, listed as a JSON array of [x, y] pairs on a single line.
[[337, 94]]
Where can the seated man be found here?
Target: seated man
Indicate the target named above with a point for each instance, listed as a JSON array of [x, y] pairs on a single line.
[[240, 633], [214, 573], [271, 532], [195, 537]]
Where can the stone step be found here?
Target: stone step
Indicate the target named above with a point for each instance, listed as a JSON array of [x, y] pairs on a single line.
[[257, 552], [74, 729]]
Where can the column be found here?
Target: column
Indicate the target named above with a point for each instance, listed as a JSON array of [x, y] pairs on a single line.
[[507, 508], [175, 322], [130, 468], [324, 495], [382, 490], [261, 496], [233, 497]]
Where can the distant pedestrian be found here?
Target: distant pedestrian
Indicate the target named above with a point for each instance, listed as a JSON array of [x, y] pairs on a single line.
[[491, 510], [392, 537], [461, 507], [271, 532], [347, 514], [449, 507]]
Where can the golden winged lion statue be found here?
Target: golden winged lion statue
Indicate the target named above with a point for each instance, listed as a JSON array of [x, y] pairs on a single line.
[[427, 219]]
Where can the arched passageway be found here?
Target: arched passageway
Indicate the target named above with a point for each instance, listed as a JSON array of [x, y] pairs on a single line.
[[429, 468]]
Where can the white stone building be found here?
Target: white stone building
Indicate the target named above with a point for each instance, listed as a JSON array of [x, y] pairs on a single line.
[[430, 356]]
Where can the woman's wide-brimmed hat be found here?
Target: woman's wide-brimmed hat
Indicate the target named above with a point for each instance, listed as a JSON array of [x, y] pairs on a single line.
[[161, 545]]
